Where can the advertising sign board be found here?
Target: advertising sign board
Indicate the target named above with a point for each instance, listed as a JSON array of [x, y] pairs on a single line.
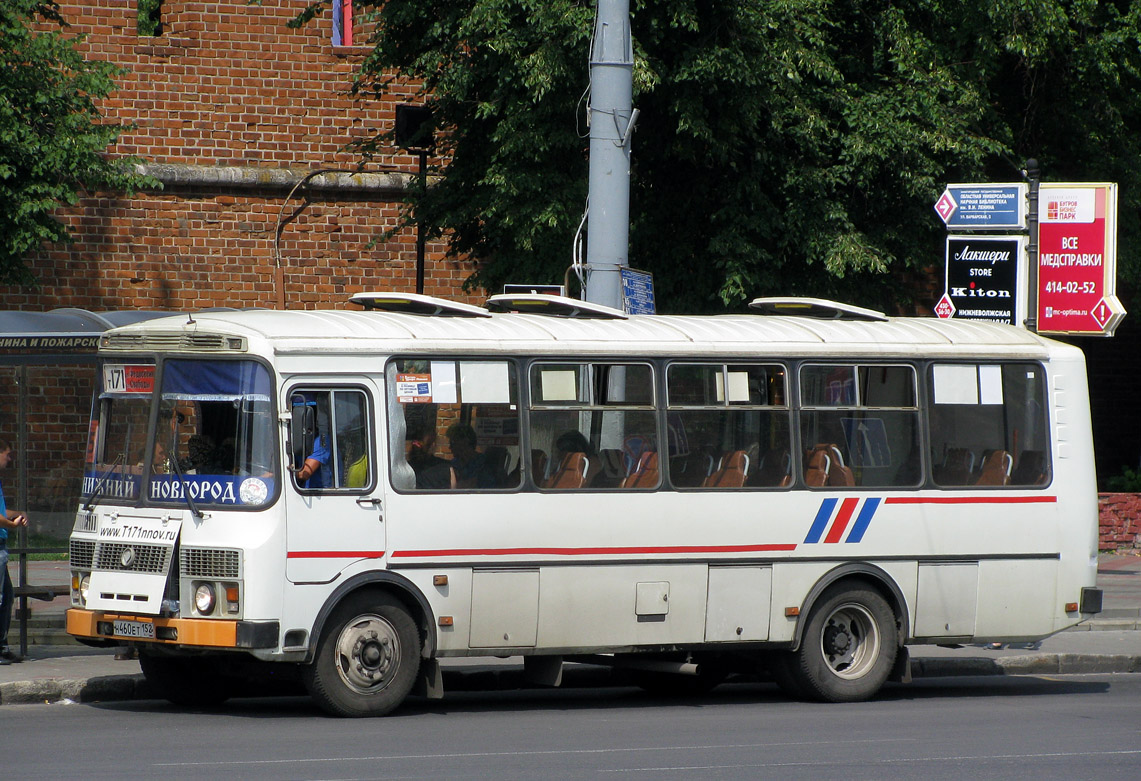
[[983, 280], [1077, 258]]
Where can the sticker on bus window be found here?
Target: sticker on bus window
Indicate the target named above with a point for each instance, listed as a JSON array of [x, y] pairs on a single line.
[[414, 388], [127, 378]]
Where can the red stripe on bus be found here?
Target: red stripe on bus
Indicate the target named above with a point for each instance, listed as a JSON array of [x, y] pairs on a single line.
[[970, 500], [335, 554], [847, 507], [592, 551]]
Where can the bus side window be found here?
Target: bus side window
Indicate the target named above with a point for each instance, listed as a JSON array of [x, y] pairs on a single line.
[[988, 425], [729, 427], [591, 424], [453, 425], [865, 419]]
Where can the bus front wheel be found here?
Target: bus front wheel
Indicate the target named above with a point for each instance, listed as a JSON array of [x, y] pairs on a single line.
[[367, 658], [848, 648]]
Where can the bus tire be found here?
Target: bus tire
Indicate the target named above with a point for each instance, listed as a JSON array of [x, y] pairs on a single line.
[[367, 658], [848, 648], [194, 682]]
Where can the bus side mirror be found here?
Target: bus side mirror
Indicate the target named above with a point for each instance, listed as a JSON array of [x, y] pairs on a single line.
[[302, 433]]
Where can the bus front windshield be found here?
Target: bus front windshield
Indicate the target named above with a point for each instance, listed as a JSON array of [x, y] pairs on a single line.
[[211, 442]]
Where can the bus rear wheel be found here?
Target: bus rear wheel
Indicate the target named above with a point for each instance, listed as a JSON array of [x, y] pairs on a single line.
[[848, 648], [367, 658]]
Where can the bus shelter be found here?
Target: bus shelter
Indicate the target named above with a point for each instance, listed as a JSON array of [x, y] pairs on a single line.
[[47, 371]]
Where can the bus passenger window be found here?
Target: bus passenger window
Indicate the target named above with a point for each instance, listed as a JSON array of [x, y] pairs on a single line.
[[859, 426], [988, 425], [593, 426], [453, 425], [728, 426]]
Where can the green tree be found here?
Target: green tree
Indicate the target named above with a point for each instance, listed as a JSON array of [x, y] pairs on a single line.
[[52, 140], [784, 146]]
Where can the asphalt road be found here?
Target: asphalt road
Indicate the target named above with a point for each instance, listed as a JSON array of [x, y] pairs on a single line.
[[1065, 727]]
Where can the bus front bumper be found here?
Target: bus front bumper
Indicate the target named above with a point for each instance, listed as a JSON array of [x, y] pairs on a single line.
[[196, 632]]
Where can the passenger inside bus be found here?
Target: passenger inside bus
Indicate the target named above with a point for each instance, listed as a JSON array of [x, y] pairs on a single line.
[[432, 472]]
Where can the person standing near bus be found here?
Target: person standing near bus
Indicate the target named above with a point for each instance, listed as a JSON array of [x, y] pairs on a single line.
[[7, 521]]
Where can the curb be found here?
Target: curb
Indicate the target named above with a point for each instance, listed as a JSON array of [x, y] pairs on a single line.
[[116, 688]]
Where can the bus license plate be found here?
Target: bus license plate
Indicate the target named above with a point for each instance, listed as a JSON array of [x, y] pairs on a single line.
[[138, 629]]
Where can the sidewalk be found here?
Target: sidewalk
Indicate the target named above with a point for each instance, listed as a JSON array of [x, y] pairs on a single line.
[[65, 670]]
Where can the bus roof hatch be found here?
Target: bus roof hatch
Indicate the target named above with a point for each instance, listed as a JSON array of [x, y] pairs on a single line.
[[814, 307]]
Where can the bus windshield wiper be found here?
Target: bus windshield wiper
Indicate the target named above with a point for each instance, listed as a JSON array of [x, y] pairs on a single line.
[[97, 489], [174, 467]]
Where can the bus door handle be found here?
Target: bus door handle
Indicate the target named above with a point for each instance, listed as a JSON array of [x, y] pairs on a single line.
[[366, 501]]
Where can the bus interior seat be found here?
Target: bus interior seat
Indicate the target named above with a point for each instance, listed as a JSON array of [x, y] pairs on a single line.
[[995, 469], [538, 466], [839, 474], [612, 469], [495, 462], [775, 469], [1031, 469], [817, 463], [645, 474], [731, 471], [571, 473], [957, 468]]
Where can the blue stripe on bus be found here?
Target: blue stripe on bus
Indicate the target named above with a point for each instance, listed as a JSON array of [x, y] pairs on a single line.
[[821, 522], [863, 519]]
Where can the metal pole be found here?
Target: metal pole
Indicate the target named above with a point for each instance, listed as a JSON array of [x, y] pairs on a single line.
[[611, 96], [1033, 176]]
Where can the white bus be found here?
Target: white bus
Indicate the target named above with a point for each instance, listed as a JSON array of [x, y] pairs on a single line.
[[356, 495]]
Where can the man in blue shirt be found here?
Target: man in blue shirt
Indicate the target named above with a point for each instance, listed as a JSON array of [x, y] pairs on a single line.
[[13, 521], [312, 473]]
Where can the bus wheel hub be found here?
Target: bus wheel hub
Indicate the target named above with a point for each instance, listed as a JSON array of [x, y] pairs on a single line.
[[367, 651]]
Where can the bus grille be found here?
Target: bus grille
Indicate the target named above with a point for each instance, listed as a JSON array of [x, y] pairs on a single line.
[[82, 554], [114, 556], [210, 563]]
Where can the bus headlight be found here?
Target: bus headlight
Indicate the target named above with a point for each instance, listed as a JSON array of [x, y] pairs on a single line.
[[84, 585], [204, 598]]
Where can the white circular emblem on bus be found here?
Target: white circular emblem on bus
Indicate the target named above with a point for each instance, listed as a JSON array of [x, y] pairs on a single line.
[[127, 557], [253, 491]]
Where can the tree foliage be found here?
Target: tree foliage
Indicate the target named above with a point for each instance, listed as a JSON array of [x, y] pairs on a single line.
[[51, 135], [784, 146]]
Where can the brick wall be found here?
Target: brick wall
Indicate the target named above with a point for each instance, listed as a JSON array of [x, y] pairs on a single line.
[[1119, 521], [228, 84]]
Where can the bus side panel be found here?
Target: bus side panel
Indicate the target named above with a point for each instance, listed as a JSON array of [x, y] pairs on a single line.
[[595, 607]]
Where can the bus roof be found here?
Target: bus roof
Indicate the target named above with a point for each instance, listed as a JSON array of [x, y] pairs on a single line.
[[340, 331]]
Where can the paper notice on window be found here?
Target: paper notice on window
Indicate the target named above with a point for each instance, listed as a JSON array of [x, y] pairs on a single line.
[[414, 388]]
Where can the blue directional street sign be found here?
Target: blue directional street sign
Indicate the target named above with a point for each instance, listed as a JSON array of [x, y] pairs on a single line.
[[638, 292], [983, 206]]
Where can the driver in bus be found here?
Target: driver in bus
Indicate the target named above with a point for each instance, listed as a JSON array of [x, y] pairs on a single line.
[[312, 473]]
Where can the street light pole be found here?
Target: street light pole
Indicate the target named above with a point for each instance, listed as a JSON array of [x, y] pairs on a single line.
[[414, 133], [611, 126]]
